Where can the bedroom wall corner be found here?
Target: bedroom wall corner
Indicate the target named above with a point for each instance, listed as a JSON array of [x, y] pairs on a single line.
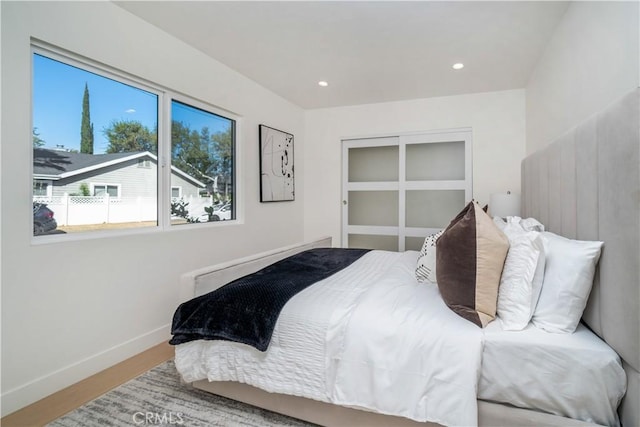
[[73, 308], [590, 61], [497, 120]]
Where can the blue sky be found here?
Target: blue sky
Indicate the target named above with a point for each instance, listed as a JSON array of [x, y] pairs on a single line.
[[195, 118], [57, 105]]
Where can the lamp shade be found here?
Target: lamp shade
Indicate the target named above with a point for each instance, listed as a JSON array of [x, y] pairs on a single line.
[[504, 204]]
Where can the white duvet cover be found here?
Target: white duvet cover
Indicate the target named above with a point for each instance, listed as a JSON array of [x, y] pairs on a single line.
[[369, 336], [399, 350], [573, 375]]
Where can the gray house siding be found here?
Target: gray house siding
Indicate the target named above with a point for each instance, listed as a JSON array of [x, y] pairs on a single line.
[[187, 188], [132, 180]]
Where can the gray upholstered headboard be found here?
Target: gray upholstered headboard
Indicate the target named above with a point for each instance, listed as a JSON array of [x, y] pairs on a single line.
[[586, 186]]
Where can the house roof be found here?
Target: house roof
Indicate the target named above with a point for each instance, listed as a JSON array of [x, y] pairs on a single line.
[[55, 164]]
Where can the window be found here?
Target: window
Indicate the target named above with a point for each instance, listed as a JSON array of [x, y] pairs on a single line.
[[202, 147], [97, 131], [106, 189], [176, 192], [41, 188], [93, 126]]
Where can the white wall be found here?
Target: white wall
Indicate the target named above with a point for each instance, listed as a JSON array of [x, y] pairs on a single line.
[[71, 309], [590, 61], [497, 120]]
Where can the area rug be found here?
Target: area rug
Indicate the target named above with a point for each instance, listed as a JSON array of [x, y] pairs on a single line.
[[157, 397]]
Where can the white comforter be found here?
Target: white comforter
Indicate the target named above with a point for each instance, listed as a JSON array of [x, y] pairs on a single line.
[[399, 350], [582, 377], [369, 336]]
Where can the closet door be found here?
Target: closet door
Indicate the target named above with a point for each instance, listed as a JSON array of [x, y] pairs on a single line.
[[436, 183], [398, 190], [370, 193]]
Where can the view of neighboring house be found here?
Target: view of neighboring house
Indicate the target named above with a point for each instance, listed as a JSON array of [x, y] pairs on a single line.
[[95, 188]]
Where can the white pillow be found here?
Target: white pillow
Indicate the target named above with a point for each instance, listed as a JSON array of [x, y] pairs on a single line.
[[426, 268], [538, 278], [522, 276], [568, 278], [531, 224], [500, 222], [527, 224]]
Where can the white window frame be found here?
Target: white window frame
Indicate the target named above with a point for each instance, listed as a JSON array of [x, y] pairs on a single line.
[[237, 201], [93, 185], [144, 163], [49, 183], [179, 188], [165, 96]]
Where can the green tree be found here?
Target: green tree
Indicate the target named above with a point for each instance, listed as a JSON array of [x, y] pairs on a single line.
[[206, 157], [190, 152], [86, 127], [127, 136], [223, 145], [37, 141], [84, 189]]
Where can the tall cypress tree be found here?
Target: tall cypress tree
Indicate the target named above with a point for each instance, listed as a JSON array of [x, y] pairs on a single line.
[[86, 128]]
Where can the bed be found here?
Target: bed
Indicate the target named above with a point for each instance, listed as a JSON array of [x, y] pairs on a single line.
[[584, 186]]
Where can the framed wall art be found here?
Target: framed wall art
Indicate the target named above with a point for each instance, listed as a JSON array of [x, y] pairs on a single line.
[[276, 165]]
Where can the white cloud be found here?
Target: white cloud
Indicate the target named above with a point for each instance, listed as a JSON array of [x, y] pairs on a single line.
[[130, 111]]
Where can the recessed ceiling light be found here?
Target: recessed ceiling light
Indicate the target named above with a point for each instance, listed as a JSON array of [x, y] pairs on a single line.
[[323, 83], [458, 66]]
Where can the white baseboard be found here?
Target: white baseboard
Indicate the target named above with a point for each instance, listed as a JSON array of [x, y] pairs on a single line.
[[34, 390]]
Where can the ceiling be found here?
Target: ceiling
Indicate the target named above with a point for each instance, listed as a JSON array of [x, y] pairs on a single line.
[[368, 51]]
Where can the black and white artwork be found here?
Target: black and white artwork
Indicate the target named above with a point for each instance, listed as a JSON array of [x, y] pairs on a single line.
[[276, 165]]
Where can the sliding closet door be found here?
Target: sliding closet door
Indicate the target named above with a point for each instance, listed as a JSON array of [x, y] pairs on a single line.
[[398, 190], [437, 183], [370, 193]]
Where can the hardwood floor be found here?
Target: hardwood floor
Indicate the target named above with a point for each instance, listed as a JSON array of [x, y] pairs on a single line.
[[76, 395]]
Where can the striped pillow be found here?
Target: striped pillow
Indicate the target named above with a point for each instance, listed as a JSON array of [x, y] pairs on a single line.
[[469, 260]]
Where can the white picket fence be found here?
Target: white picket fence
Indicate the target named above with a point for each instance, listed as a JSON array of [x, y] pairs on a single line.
[[85, 210]]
